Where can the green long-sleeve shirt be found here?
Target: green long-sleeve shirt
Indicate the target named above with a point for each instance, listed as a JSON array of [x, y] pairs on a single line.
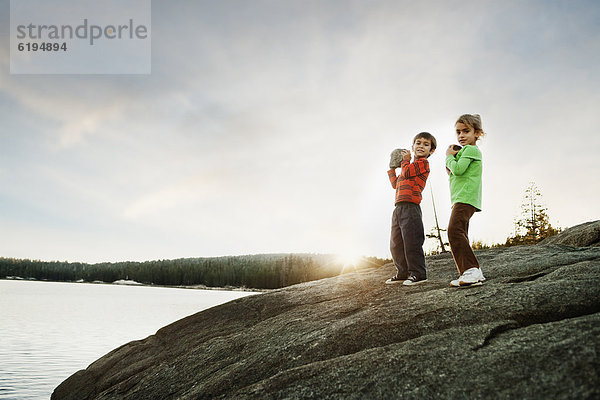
[[465, 176]]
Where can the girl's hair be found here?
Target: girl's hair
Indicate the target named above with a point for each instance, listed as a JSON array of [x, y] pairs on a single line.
[[472, 121]]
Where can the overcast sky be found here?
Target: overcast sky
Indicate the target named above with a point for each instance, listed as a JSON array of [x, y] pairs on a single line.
[[266, 126]]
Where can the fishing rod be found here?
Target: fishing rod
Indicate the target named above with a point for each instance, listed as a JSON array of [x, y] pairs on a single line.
[[437, 225]]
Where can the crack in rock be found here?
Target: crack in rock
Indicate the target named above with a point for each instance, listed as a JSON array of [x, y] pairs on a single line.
[[495, 332], [528, 278], [523, 323]]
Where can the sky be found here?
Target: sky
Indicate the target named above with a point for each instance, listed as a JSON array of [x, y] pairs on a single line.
[[266, 127]]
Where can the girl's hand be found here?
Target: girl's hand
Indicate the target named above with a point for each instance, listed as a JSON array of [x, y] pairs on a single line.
[[406, 155], [451, 151]]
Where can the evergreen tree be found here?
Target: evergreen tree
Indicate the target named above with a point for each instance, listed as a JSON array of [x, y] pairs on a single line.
[[532, 225]]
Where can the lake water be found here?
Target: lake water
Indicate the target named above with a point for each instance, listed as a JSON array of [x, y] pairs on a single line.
[[51, 330]]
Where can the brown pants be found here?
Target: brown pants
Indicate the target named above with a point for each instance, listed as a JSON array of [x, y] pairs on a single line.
[[458, 230]]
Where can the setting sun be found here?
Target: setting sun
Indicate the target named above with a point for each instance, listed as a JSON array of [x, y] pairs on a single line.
[[349, 260]]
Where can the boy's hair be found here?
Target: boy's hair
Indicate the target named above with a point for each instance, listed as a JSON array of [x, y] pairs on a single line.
[[427, 136], [472, 121]]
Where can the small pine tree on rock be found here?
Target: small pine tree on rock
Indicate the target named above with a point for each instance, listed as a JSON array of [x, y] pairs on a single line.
[[532, 225]]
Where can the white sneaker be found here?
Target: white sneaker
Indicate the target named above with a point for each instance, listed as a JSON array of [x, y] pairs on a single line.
[[472, 276]]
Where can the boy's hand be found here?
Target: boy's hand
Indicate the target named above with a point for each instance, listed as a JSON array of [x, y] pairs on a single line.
[[406, 155], [451, 150]]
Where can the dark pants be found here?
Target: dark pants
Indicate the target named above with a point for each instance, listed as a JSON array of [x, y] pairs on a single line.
[[406, 241], [458, 230]]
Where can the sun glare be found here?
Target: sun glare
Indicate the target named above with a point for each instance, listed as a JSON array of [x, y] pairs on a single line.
[[349, 260]]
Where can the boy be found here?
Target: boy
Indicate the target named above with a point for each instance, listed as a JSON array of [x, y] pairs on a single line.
[[408, 236]]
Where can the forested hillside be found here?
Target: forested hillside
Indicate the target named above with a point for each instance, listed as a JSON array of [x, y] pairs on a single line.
[[264, 271]]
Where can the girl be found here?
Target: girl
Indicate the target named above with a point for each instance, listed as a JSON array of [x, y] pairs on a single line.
[[464, 168]]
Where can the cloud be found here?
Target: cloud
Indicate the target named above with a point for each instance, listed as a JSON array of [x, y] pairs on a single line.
[[267, 126], [68, 110], [162, 201]]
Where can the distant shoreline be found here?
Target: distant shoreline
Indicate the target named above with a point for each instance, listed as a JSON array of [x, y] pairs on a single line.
[[266, 271], [134, 283]]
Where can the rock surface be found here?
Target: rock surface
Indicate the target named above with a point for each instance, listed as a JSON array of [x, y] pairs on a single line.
[[586, 234], [531, 331]]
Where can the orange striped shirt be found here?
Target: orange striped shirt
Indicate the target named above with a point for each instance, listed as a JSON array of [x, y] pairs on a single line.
[[411, 181]]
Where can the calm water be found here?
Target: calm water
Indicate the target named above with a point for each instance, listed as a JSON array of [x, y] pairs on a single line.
[[51, 330]]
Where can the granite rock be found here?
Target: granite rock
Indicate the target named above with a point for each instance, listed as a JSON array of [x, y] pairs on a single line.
[[531, 331], [586, 234], [396, 158]]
